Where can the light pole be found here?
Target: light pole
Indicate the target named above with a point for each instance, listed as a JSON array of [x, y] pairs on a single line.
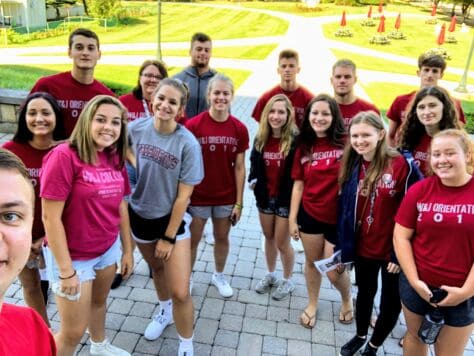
[[462, 88], [158, 49]]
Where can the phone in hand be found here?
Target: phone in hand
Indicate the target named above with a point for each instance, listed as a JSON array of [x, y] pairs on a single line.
[[438, 295], [232, 219]]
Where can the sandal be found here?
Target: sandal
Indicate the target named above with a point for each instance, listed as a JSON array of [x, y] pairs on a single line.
[[346, 317], [311, 320]]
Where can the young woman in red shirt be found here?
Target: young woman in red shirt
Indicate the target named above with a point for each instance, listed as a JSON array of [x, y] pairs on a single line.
[[270, 178], [313, 209], [434, 242]]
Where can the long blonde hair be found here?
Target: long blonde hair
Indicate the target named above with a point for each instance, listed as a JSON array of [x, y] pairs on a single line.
[[383, 154], [81, 137], [466, 143], [288, 131]]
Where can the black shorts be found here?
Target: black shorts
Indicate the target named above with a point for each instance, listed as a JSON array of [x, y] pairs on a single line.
[[309, 225], [151, 229], [273, 208], [458, 316]]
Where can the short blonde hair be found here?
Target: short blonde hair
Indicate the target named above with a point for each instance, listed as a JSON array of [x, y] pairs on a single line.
[[81, 137], [466, 143]]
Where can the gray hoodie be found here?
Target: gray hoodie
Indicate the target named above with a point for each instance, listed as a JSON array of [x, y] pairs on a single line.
[[197, 84]]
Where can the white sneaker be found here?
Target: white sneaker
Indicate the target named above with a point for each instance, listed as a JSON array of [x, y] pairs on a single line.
[[105, 348], [185, 350], [159, 323], [225, 290], [209, 237]]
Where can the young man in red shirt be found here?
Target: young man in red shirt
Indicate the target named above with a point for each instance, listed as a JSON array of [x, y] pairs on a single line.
[[343, 80], [430, 70], [288, 68], [73, 89]]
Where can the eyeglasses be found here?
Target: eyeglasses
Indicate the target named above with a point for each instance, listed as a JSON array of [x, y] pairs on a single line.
[[152, 76]]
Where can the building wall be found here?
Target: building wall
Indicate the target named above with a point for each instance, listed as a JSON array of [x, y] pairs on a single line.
[[19, 10], [10, 101]]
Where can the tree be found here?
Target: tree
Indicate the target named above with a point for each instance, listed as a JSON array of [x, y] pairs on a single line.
[[57, 4], [86, 8], [103, 8]]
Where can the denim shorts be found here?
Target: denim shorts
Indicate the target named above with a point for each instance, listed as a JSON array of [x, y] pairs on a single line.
[[183, 232], [215, 211], [273, 208], [458, 316], [309, 225], [85, 269]]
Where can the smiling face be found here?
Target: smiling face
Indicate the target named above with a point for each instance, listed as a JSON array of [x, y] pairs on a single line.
[[364, 139], [106, 125], [200, 54], [16, 219], [149, 80], [220, 96], [448, 159], [429, 110], [277, 116], [84, 52], [320, 118], [167, 103], [40, 117], [429, 76]]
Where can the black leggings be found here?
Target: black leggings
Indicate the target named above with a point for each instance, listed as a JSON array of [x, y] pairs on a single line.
[[367, 271]]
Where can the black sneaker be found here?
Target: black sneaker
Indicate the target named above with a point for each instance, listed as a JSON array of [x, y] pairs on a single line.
[[369, 351], [352, 346]]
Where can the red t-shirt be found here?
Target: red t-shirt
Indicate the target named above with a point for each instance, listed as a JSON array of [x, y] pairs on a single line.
[[375, 239], [299, 98], [398, 110], [23, 332], [136, 108], [33, 160], [348, 111], [319, 173], [443, 220], [71, 95], [92, 195], [421, 154], [274, 165], [220, 144]]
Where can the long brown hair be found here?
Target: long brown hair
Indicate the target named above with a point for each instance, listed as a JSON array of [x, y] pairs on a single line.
[[382, 157]]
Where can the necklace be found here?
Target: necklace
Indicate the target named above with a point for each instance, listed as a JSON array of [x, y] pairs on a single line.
[[371, 197]]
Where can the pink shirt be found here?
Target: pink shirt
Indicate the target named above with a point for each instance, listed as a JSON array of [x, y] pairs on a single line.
[[92, 195]]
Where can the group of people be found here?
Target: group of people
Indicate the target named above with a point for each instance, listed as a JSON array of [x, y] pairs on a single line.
[[150, 168]]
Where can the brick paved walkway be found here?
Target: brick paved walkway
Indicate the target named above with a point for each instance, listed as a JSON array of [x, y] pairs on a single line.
[[247, 324]]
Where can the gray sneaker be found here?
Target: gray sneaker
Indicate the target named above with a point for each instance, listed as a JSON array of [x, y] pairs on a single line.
[[284, 290], [265, 284]]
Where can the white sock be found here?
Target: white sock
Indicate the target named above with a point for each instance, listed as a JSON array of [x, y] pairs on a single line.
[[272, 274], [99, 343], [185, 341], [217, 274], [166, 306]]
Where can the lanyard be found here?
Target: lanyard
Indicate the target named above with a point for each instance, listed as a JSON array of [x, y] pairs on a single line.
[[370, 218], [145, 108]]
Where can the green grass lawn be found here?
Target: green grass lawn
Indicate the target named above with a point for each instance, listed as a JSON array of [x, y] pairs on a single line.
[[238, 52], [373, 63], [420, 37], [24, 77], [177, 26]]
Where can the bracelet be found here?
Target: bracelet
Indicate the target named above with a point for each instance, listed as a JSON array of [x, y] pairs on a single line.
[[238, 206], [72, 275], [171, 240]]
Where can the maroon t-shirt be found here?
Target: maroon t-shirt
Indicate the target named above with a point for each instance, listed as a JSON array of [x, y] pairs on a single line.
[[221, 142], [136, 108], [33, 160], [348, 111], [299, 98], [421, 154], [71, 95], [274, 165], [443, 220], [375, 239], [319, 173]]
